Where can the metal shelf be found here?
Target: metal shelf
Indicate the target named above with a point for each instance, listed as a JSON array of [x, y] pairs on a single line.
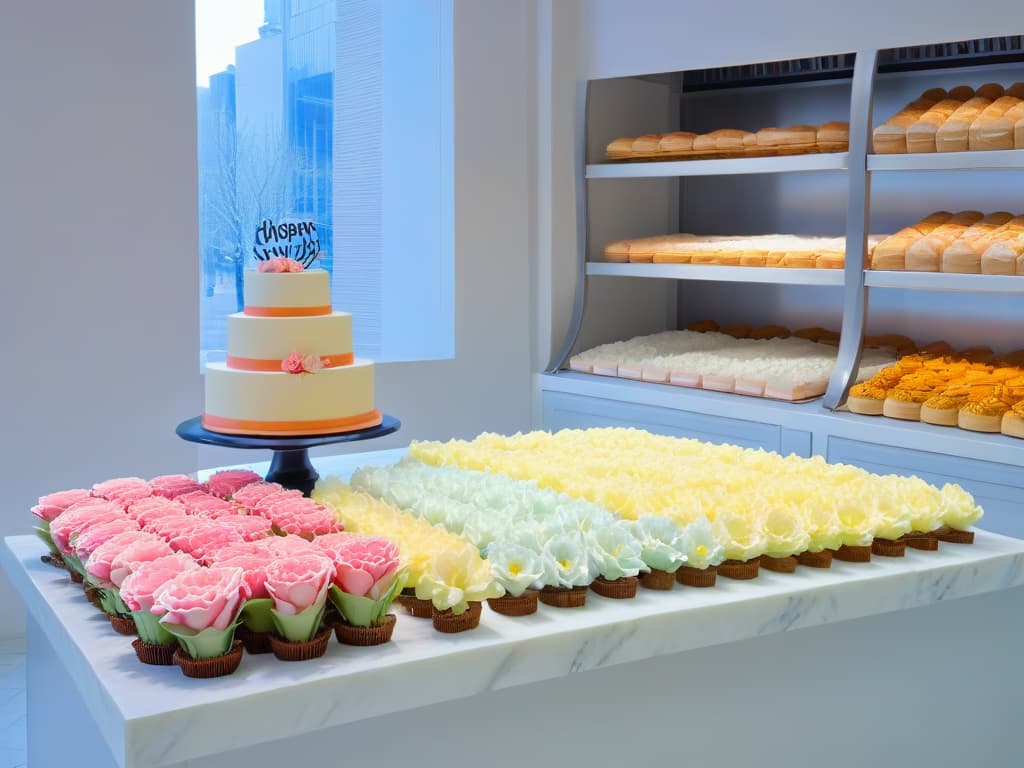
[[997, 160], [944, 281], [772, 275], [822, 161]]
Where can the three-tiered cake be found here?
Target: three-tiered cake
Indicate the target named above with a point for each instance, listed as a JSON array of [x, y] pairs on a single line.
[[290, 368]]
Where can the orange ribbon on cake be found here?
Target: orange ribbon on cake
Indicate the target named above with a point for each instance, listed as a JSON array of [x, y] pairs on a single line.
[[270, 366], [324, 309], [291, 428]]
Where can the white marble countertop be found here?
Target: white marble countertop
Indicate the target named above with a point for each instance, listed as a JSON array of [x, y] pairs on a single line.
[[152, 716]]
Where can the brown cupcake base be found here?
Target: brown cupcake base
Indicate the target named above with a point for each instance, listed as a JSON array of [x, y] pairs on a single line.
[[623, 588], [953, 536], [921, 541], [92, 594], [779, 564], [563, 597], [821, 559], [889, 547], [76, 577], [286, 650], [218, 666], [53, 559], [364, 636], [450, 623], [507, 605], [421, 609], [740, 569], [853, 554], [254, 642], [697, 577], [123, 625], [655, 579], [157, 655]]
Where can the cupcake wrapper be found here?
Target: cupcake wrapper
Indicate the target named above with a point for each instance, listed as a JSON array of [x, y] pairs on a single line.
[[92, 594], [888, 548], [508, 605], [656, 579], [779, 564], [53, 559], [740, 569], [421, 609], [450, 623], [697, 577], [853, 554], [254, 642], [921, 541], [563, 597], [618, 589], [76, 577], [123, 625], [301, 651], [157, 655], [821, 559], [953, 536], [218, 666], [364, 636]]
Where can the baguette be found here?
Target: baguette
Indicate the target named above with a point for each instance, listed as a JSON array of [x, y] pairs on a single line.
[[921, 135], [646, 144], [620, 148], [952, 136], [992, 129], [677, 141], [925, 255], [964, 254], [1005, 257], [618, 251]]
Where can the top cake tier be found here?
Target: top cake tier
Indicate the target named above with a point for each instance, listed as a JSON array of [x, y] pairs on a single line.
[[287, 294]]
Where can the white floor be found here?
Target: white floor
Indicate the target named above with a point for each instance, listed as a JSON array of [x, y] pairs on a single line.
[[12, 710]]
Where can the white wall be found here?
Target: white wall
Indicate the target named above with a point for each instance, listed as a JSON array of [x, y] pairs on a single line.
[[99, 204]]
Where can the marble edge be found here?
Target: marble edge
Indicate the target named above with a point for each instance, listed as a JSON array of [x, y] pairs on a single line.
[[88, 683], [519, 661]]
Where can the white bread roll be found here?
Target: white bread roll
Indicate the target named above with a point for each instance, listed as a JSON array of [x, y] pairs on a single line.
[[677, 141]]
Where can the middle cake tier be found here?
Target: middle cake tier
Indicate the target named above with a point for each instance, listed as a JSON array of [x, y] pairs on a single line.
[[253, 402], [262, 343]]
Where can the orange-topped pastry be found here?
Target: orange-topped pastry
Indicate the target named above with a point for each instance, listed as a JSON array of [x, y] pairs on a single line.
[[936, 348], [770, 332], [736, 330], [811, 334], [703, 326], [1013, 421], [985, 414], [904, 400], [943, 408], [866, 398]]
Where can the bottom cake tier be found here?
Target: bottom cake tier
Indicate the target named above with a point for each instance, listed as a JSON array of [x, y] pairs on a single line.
[[330, 401]]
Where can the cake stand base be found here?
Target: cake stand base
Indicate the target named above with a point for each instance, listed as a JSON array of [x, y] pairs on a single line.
[[290, 465]]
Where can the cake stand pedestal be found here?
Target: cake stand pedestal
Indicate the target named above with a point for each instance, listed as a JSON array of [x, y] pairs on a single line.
[[290, 466]]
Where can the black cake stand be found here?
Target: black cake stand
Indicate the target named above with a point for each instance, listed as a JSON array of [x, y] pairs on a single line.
[[290, 466]]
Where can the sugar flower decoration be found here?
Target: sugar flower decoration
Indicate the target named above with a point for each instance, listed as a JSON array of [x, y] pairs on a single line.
[[296, 362], [514, 567], [280, 264], [565, 562]]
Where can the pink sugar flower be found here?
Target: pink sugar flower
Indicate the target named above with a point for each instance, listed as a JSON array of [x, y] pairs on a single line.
[[203, 538], [296, 362], [146, 548], [78, 516], [53, 504], [202, 599], [92, 536], [264, 504], [332, 544], [250, 495], [153, 508], [226, 482], [249, 527], [101, 559], [299, 582], [302, 517], [254, 565], [205, 504], [123, 489], [287, 546], [139, 586], [366, 566], [172, 486]]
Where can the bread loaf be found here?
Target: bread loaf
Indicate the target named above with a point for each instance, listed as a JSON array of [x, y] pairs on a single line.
[[1017, 89], [642, 251], [990, 91], [677, 141], [791, 136], [992, 129], [753, 258], [620, 148], [952, 135], [891, 252], [964, 254], [704, 142], [921, 135], [729, 138], [617, 251], [833, 136], [646, 144], [1004, 257], [925, 255], [673, 251], [800, 259], [961, 93], [830, 260], [891, 136]]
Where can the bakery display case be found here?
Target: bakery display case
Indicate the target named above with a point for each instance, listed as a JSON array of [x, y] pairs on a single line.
[[853, 194]]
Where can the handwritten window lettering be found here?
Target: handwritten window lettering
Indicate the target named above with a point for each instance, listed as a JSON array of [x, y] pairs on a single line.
[[290, 240]]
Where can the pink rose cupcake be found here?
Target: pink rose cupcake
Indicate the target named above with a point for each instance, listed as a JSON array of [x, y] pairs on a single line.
[[227, 482], [172, 486]]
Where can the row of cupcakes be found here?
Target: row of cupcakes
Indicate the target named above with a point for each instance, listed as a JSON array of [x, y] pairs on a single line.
[[758, 503], [201, 571], [539, 542]]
